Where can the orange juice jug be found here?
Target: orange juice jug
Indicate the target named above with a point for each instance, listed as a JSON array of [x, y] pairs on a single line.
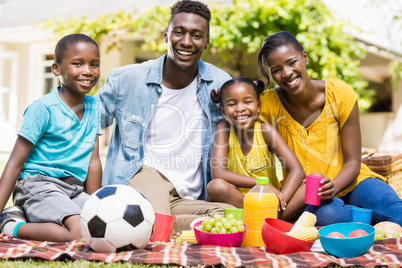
[[259, 203]]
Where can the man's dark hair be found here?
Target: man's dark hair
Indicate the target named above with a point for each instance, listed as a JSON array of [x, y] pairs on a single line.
[[68, 40], [191, 6]]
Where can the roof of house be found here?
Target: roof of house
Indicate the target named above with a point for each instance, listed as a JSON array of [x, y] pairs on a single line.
[[14, 13], [378, 21]]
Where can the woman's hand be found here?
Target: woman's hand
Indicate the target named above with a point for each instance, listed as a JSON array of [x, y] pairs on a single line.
[[281, 198], [327, 190]]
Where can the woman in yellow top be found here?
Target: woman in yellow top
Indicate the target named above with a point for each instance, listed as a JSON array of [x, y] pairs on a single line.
[[242, 148], [319, 120]]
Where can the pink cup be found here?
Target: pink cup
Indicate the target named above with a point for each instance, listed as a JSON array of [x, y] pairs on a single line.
[[163, 227], [312, 184]]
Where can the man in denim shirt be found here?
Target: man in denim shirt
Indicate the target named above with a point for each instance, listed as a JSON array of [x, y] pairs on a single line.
[[165, 121]]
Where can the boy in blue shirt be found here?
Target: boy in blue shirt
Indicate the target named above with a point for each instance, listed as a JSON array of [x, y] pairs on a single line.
[[55, 164]]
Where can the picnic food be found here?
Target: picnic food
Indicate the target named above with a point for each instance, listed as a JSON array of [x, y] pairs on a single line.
[[188, 236], [357, 233], [304, 227], [307, 234], [387, 229], [305, 220], [336, 235], [221, 224]]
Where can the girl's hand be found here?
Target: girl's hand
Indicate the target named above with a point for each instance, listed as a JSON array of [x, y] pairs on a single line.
[[281, 198], [327, 190]]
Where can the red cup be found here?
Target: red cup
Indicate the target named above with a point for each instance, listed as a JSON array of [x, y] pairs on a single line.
[[311, 195], [163, 227]]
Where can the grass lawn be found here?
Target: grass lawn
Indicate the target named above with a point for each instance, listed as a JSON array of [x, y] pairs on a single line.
[[30, 263]]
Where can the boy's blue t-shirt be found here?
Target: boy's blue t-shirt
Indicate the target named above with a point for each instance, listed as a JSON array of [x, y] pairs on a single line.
[[62, 143]]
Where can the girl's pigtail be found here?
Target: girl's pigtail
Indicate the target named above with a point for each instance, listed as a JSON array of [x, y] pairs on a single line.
[[260, 86], [215, 95]]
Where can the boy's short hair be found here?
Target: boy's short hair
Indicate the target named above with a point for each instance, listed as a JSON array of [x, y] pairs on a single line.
[[68, 40], [191, 6]]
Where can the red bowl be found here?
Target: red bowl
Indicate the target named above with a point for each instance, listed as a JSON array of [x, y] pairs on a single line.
[[276, 241], [222, 240]]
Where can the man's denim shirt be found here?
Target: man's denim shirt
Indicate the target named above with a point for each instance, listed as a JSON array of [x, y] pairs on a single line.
[[130, 96]]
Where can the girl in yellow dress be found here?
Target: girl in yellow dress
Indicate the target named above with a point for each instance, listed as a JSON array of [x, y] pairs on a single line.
[[243, 147], [319, 120]]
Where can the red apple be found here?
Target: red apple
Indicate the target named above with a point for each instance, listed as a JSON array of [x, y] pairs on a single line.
[[357, 233], [336, 235]]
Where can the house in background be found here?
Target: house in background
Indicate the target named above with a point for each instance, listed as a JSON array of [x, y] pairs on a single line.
[[381, 37], [26, 55]]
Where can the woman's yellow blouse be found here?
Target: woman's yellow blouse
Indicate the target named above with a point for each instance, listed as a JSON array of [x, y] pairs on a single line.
[[318, 147]]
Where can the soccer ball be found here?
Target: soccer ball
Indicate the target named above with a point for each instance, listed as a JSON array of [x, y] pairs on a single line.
[[117, 218]]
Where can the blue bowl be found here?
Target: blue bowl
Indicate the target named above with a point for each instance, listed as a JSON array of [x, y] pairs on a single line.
[[346, 247]]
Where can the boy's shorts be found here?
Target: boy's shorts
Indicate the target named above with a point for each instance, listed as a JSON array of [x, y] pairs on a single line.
[[47, 199]]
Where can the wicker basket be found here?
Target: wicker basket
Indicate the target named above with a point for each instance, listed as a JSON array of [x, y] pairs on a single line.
[[388, 165], [395, 181]]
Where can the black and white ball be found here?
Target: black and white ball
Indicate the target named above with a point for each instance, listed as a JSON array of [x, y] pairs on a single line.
[[117, 218]]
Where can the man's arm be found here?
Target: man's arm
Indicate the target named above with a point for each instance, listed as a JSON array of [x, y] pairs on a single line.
[[107, 97]]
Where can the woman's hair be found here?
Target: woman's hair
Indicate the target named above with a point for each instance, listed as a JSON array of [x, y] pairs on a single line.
[[271, 43], [258, 85]]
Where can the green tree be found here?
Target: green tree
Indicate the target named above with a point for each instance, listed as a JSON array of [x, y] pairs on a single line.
[[238, 30]]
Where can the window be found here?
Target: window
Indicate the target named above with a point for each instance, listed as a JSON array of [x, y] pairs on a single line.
[[50, 82], [382, 97]]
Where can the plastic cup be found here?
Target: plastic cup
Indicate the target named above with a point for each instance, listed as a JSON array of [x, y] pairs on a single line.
[[362, 215], [163, 227], [237, 213], [312, 184]]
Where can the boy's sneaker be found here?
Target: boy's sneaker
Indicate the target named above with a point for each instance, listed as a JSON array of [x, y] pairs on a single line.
[[13, 213]]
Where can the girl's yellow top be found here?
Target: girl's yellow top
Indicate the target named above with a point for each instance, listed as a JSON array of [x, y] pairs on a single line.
[[257, 163], [318, 147]]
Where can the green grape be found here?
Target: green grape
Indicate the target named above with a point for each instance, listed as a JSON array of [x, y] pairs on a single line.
[[227, 225], [380, 235], [240, 228], [394, 234], [233, 229], [218, 224], [230, 217], [217, 217], [239, 223], [224, 220]]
